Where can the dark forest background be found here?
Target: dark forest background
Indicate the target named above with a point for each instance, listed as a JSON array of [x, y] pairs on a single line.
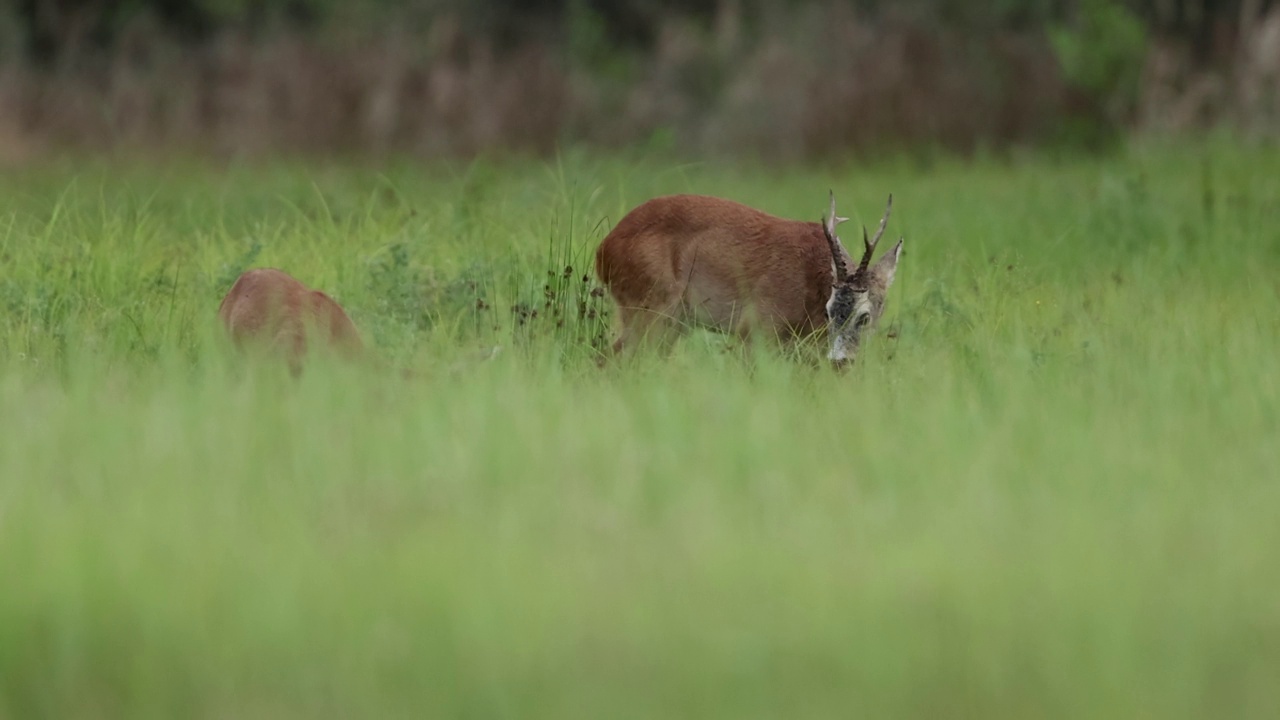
[[781, 80]]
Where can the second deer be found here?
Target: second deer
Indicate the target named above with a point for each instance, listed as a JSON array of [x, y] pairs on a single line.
[[693, 260], [270, 310]]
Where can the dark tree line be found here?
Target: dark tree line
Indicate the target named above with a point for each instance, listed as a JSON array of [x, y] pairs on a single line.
[[51, 28]]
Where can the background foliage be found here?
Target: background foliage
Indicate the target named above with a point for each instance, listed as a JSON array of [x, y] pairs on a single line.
[[778, 79]]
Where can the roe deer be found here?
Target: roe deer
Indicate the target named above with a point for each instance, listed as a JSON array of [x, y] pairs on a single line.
[[272, 311], [697, 260]]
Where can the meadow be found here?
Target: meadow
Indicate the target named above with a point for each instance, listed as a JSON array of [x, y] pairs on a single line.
[[1048, 488]]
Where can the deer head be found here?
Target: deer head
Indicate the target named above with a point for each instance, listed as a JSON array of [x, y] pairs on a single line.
[[857, 294]]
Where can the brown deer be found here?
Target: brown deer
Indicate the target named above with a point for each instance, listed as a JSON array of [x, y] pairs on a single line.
[[269, 310], [682, 260]]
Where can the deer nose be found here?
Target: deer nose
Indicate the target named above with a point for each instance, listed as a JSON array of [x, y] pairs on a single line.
[[841, 364]]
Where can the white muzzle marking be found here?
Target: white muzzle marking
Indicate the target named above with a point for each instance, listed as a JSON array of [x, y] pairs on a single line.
[[838, 351]]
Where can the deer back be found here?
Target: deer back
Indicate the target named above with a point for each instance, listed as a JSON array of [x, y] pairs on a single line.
[[716, 258], [270, 310]]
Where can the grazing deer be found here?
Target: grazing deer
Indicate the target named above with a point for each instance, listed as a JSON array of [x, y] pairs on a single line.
[[684, 260], [270, 310]]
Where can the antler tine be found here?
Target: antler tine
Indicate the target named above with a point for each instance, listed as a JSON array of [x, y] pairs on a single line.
[[829, 229], [831, 214], [870, 245]]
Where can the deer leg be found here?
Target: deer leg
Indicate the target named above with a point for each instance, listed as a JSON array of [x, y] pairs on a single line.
[[290, 343], [645, 326]]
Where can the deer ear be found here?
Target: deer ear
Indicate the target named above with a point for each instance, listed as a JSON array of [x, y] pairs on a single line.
[[887, 265]]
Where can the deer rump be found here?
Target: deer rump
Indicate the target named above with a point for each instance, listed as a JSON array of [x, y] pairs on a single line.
[[268, 311], [715, 263]]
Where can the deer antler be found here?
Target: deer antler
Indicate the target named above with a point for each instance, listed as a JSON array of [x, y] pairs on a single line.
[[870, 245], [829, 229]]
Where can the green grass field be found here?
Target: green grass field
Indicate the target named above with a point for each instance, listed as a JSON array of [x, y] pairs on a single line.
[[1049, 488]]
